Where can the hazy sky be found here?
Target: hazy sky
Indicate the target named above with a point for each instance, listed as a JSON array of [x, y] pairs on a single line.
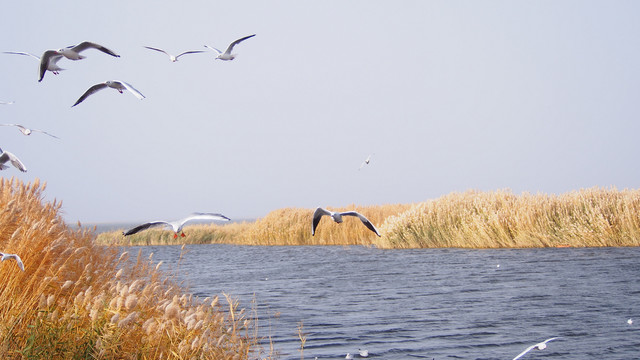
[[536, 96]]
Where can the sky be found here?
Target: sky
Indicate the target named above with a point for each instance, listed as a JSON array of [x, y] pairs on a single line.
[[448, 96]]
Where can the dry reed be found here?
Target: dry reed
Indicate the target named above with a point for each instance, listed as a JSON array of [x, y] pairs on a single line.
[[79, 300]]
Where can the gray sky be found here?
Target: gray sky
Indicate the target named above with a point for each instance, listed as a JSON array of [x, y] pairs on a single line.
[[536, 96]]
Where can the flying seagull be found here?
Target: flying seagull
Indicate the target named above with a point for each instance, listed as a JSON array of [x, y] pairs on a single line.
[[539, 346], [366, 161], [73, 52], [48, 61], [227, 54], [177, 225], [27, 131], [337, 217], [14, 257], [121, 86], [171, 57], [6, 102], [7, 156]]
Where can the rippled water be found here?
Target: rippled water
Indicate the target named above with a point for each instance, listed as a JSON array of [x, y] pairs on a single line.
[[442, 303]]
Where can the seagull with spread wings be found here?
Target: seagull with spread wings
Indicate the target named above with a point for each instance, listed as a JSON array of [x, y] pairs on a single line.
[[174, 58], [177, 225], [337, 217], [539, 346], [6, 156], [48, 61], [121, 86], [73, 52], [227, 55], [27, 131]]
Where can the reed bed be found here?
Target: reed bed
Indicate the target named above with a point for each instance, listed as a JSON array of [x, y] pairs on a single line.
[[585, 218], [80, 300]]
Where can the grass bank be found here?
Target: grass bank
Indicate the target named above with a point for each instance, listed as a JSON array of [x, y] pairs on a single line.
[[80, 300], [472, 219]]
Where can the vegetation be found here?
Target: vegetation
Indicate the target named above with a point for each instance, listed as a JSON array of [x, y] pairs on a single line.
[[473, 219], [80, 300]]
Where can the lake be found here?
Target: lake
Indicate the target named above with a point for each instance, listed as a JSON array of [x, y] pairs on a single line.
[[426, 303]]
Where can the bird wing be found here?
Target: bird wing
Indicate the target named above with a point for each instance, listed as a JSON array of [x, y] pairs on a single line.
[[214, 49], [144, 226], [132, 90], [317, 215], [362, 218], [230, 48], [189, 52], [23, 53], [524, 352], [48, 56], [7, 156], [156, 49], [204, 216], [44, 132], [90, 91], [89, 45], [15, 257]]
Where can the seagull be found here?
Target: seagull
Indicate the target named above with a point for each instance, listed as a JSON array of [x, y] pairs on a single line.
[[6, 102], [73, 52], [48, 61], [121, 86], [7, 156], [630, 321], [349, 356], [227, 54], [171, 57], [539, 346], [363, 353], [337, 217], [27, 131], [178, 224], [14, 257], [366, 161]]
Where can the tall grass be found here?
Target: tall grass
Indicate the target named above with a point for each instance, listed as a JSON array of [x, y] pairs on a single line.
[[80, 300], [589, 217]]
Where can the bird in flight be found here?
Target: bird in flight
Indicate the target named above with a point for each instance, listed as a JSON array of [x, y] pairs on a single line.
[[6, 156], [227, 55], [337, 217], [539, 346], [177, 225], [172, 57], [14, 257], [121, 86], [27, 131], [73, 52]]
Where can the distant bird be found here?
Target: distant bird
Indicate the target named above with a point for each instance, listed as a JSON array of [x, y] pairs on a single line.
[[177, 225], [365, 162], [630, 322], [539, 346], [27, 131], [227, 54], [6, 102], [174, 58], [363, 353], [349, 356], [73, 52], [337, 217], [121, 86], [14, 257], [6, 156], [48, 61]]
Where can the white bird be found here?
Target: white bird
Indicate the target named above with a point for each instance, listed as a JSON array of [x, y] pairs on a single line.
[[177, 225], [337, 217], [363, 353], [73, 52], [539, 346], [14, 257], [366, 161], [227, 54], [174, 58], [27, 131], [630, 322], [349, 356], [121, 86], [6, 102], [48, 61], [6, 156]]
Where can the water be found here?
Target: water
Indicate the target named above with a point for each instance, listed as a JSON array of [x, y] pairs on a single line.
[[428, 303]]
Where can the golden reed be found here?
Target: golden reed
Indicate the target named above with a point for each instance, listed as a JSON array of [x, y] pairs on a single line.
[[472, 219], [80, 300]]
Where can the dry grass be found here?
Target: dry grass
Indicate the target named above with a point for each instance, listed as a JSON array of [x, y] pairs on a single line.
[[289, 226], [80, 300], [585, 218]]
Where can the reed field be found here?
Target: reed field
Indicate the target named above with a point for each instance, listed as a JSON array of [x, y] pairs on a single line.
[[80, 300], [472, 219]]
